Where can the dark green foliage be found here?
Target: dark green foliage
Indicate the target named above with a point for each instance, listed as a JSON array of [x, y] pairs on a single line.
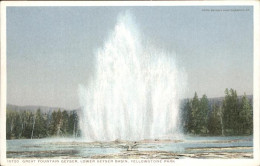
[[10, 117], [231, 113], [187, 117], [214, 121], [246, 116], [53, 124], [65, 123], [73, 127], [28, 124], [201, 115], [233, 116], [196, 115], [40, 129], [25, 124], [59, 123], [195, 112]]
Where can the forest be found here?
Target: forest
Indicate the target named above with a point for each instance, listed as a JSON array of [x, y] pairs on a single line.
[[231, 115], [29, 125]]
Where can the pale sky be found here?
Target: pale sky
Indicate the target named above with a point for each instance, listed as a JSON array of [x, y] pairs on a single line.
[[50, 50]]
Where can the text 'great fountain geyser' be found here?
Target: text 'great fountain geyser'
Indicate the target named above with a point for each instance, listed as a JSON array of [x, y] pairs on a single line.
[[135, 92]]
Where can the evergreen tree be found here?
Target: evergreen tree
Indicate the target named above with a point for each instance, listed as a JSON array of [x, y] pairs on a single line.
[[195, 112], [231, 113], [28, 124], [17, 129], [65, 122], [188, 120], [59, 123], [73, 124], [202, 114], [53, 124], [246, 116], [214, 121], [40, 125], [9, 124], [48, 123]]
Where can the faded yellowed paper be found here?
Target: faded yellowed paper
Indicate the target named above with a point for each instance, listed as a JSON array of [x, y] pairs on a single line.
[[121, 29]]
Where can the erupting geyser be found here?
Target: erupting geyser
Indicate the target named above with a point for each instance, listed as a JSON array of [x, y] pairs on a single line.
[[135, 92]]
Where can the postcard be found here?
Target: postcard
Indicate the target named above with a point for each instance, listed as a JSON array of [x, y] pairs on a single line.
[[114, 83]]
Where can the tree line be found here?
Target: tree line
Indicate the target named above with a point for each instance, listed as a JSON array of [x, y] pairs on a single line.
[[231, 116], [29, 125]]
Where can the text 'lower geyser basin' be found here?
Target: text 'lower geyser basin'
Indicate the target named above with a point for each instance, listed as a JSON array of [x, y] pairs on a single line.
[[135, 91]]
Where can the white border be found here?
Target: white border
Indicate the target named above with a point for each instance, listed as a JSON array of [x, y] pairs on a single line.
[[256, 4], [3, 86]]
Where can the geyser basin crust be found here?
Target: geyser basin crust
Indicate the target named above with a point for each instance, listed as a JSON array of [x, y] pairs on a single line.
[[192, 147]]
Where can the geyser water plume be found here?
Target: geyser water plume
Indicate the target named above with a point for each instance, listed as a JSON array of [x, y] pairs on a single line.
[[135, 91]]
